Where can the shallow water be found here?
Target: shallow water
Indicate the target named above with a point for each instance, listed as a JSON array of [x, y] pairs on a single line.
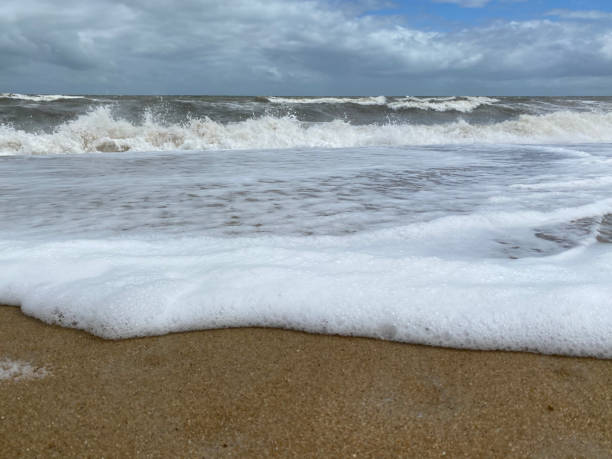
[[474, 245]]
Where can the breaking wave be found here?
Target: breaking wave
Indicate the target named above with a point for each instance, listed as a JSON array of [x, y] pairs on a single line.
[[38, 97], [439, 104], [378, 100], [442, 104], [100, 131]]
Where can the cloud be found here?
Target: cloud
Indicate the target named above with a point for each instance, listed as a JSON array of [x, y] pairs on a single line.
[[606, 47], [284, 47], [466, 3], [593, 15]]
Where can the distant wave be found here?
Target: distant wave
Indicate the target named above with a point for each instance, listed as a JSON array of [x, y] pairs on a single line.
[[439, 104], [38, 97], [99, 130], [442, 104], [378, 100]]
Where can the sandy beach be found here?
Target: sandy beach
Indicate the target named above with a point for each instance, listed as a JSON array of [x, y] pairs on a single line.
[[258, 392]]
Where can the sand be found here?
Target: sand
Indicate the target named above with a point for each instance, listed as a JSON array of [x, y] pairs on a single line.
[[264, 392]]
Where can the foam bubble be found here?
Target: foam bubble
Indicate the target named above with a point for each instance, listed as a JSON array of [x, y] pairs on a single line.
[[18, 370]]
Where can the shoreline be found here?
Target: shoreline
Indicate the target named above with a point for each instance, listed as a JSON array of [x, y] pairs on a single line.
[[254, 392]]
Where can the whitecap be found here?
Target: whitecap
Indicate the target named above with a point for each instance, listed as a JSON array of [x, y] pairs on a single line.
[[38, 97], [99, 130]]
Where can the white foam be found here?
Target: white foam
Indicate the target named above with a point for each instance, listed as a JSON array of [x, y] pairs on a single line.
[[375, 100], [411, 283], [18, 370], [439, 104], [448, 225], [100, 131], [482, 247], [594, 182], [442, 104], [38, 97]]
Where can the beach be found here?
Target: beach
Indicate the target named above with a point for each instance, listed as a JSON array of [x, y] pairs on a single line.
[[268, 392], [318, 228]]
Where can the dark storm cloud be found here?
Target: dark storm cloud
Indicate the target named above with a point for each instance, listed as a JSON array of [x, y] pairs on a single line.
[[289, 47]]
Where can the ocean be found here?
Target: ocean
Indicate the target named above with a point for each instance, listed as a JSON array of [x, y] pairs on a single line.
[[468, 222]]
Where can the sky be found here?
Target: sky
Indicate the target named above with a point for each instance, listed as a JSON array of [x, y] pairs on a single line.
[[314, 47]]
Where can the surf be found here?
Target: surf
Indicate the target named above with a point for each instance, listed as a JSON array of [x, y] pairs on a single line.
[[100, 130]]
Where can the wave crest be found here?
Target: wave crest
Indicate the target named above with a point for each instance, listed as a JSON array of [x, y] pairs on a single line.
[[375, 100], [38, 97], [99, 130], [442, 104], [438, 104]]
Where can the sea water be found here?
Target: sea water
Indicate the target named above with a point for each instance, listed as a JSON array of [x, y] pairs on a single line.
[[481, 223]]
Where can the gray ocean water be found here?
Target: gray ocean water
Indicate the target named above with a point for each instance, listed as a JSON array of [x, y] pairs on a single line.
[[41, 124], [36, 113]]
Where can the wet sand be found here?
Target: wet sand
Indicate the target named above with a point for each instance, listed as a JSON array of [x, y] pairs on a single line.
[[256, 392]]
